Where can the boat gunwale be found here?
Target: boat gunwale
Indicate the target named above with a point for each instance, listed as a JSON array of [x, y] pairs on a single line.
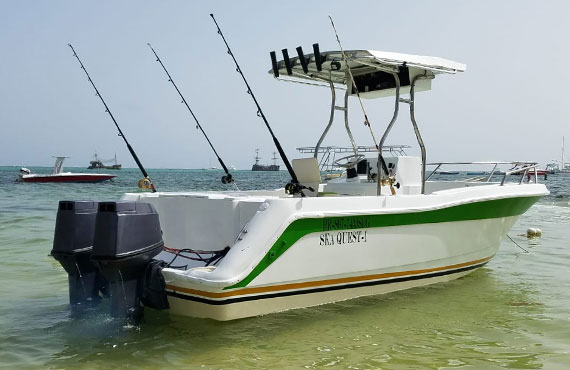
[[289, 234]]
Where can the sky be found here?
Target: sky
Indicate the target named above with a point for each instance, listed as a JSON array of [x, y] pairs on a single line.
[[510, 104]]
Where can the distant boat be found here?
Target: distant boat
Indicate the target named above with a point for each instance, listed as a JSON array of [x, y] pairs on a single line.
[[264, 167], [97, 163], [59, 176], [553, 168], [539, 172], [531, 172]]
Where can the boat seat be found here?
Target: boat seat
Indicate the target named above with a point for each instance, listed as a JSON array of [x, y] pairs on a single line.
[[308, 174]]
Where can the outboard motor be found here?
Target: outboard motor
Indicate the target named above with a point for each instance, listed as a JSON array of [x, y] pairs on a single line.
[[72, 248], [127, 237]]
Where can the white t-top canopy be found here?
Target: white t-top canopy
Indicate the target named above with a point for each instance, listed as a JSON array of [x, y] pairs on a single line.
[[372, 70], [434, 64]]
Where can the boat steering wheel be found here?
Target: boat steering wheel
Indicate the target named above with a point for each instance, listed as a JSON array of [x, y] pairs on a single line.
[[348, 161]]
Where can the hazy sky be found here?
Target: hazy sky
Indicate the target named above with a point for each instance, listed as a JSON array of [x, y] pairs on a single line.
[[512, 103]]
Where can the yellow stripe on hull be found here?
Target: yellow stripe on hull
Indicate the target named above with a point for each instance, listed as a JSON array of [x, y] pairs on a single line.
[[246, 302]]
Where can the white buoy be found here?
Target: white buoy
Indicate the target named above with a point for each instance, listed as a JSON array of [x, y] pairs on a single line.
[[533, 232]]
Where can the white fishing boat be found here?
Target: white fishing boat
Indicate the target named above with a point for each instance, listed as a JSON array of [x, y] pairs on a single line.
[[376, 228]]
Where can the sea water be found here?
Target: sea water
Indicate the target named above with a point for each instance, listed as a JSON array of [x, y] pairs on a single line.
[[513, 313]]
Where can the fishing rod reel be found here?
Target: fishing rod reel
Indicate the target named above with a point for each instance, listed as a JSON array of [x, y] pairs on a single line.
[[390, 181], [144, 184], [293, 188], [227, 179]]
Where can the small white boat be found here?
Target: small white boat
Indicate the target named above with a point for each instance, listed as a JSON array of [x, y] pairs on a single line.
[[375, 228], [59, 176]]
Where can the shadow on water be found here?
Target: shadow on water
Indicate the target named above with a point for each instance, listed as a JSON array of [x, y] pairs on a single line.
[[434, 326]]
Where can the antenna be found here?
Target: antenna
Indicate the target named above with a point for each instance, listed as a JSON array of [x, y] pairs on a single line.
[[366, 121]]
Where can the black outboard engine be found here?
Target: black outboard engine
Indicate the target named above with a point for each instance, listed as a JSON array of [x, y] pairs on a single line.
[[127, 237], [72, 247]]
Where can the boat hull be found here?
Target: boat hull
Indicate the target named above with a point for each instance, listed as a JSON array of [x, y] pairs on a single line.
[[301, 252], [339, 264], [538, 172], [67, 178], [265, 167], [182, 303]]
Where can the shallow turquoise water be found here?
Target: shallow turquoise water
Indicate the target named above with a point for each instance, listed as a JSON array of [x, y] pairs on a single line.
[[513, 313]]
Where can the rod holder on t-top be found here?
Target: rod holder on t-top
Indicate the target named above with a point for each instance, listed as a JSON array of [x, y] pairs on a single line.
[[318, 58], [227, 179], [144, 183], [294, 187], [302, 59]]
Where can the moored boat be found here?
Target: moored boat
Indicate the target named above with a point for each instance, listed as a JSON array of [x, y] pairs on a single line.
[[539, 172], [58, 175], [96, 163], [264, 167], [379, 226]]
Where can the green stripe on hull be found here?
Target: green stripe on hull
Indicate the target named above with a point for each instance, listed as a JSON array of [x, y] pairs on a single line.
[[465, 212]]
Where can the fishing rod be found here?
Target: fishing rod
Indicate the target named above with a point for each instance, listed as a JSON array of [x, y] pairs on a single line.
[[227, 179], [144, 183], [366, 121], [294, 187]]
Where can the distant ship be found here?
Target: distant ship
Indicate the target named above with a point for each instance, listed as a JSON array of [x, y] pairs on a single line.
[[97, 163], [265, 167]]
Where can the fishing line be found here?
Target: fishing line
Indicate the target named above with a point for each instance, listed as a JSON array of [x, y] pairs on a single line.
[[294, 187], [227, 179], [366, 121], [517, 244], [144, 183]]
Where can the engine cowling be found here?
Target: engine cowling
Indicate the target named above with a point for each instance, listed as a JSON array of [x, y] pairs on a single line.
[[72, 248], [127, 237]]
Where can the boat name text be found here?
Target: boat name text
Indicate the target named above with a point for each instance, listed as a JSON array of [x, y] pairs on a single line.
[[343, 237]]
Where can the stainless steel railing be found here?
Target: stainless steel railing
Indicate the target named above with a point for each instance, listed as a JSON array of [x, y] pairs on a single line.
[[523, 168]]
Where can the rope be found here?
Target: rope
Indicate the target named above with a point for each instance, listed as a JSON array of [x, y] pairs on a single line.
[[517, 244], [216, 256]]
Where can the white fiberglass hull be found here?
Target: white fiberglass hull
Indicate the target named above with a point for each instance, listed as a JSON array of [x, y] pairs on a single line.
[[392, 258], [310, 251], [181, 305]]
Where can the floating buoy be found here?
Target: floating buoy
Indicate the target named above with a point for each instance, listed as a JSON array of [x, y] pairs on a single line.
[[533, 232]]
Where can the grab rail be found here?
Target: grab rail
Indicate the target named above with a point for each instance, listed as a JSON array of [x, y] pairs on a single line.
[[328, 153], [518, 167]]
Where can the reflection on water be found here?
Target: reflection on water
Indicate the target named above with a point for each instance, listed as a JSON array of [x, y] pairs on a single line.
[[513, 313], [478, 320]]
